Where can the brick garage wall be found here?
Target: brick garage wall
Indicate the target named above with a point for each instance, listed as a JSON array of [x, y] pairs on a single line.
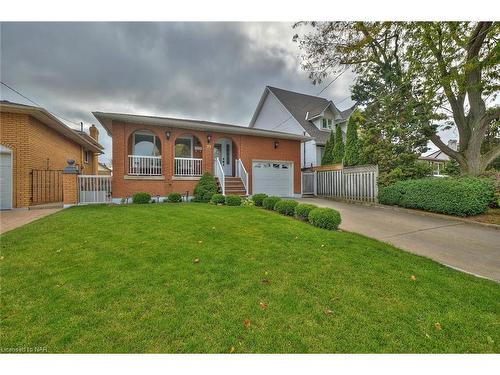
[[14, 135], [246, 147], [36, 146]]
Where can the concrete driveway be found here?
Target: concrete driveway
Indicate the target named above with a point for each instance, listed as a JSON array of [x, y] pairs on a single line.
[[469, 247], [15, 218]]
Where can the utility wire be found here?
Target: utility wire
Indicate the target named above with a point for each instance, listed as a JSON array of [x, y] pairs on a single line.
[[37, 104]]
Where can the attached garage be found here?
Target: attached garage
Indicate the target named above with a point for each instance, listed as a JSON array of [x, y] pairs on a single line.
[[272, 178], [5, 178]]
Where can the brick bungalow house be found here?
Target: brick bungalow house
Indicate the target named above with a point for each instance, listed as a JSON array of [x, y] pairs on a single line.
[[34, 148], [160, 155]]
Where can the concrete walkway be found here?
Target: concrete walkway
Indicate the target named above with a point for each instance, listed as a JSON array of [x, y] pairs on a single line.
[[15, 218], [471, 248]]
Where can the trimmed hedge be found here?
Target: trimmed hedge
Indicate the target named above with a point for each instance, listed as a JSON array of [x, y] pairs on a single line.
[[206, 187], [464, 196], [174, 198], [303, 209], [218, 199], [286, 207], [326, 218], [141, 198], [259, 198], [269, 202], [233, 200]]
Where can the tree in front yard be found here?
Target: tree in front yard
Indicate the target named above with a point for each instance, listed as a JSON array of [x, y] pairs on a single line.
[[338, 148], [328, 154], [418, 78], [352, 145]]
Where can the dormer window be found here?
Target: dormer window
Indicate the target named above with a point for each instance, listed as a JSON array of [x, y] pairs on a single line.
[[327, 123]]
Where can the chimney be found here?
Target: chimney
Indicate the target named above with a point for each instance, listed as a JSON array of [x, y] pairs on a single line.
[[94, 133]]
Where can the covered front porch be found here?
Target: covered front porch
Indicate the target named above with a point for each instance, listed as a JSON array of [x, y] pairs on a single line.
[[185, 156]]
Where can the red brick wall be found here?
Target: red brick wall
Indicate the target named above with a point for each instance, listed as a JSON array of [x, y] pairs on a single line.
[[36, 146], [246, 147]]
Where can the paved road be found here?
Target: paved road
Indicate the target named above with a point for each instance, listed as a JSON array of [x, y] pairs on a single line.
[[15, 218], [468, 247]]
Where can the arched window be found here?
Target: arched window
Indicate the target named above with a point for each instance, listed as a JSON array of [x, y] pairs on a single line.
[[145, 143]]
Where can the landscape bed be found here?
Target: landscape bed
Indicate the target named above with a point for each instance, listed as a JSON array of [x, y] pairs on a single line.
[[199, 278]]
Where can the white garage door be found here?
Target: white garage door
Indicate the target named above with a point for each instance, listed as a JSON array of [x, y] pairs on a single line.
[[272, 178], [5, 180]]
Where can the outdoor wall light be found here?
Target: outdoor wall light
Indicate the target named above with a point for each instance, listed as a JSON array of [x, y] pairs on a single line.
[[209, 138], [276, 144], [167, 134]]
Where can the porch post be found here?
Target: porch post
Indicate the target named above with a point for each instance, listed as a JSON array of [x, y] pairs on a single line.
[[208, 154], [70, 184]]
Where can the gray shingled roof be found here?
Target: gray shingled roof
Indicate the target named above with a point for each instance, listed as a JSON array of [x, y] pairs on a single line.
[[299, 104]]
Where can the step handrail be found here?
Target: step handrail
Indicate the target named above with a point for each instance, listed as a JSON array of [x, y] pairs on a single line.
[[219, 173], [242, 173]]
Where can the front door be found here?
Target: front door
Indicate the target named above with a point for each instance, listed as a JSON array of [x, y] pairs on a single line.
[[223, 150]]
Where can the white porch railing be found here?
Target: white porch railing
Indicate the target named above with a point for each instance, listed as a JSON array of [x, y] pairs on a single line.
[[242, 173], [94, 189], [188, 167], [144, 165], [219, 173]]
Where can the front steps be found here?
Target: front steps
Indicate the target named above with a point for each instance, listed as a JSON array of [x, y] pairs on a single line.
[[233, 186]]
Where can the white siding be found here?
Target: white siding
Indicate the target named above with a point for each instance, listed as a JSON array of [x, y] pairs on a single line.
[[308, 154], [273, 116]]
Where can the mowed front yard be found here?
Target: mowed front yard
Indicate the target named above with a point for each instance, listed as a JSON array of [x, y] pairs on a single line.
[[125, 279]]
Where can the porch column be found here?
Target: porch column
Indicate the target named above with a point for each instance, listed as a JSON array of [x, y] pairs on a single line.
[[208, 154], [70, 184]]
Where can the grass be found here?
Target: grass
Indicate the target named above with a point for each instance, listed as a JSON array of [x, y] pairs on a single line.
[[124, 279], [491, 216]]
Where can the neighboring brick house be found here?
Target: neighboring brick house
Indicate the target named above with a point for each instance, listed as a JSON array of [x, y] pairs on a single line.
[[160, 155], [34, 147]]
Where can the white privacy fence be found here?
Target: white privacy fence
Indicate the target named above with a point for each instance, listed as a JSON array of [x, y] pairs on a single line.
[[94, 189], [357, 183]]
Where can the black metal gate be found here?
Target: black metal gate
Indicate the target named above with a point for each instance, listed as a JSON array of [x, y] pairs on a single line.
[[46, 186]]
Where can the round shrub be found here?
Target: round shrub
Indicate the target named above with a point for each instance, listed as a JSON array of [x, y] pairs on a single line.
[[326, 218], [218, 199], [259, 198], [302, 210], [206, 187], [174, 198], [269, 202], [286, 207], [233, 200], [141, 198]]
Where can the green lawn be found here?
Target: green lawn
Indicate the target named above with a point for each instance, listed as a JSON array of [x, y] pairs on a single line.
[[124, 279]]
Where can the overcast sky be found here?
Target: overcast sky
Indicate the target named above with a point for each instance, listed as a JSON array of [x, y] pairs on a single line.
[[208, 71]]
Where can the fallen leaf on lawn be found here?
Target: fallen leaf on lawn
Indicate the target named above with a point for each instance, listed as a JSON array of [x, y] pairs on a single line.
[[232, 349], [266, 281], [200, 241], [263, 305], [490, 340], [296, 237], [197, 260], [427, 335], [413, 277], [438, 326], [1, 258], [264, 272], [322, 245], [328, 312], [58, 250], [246, 323]]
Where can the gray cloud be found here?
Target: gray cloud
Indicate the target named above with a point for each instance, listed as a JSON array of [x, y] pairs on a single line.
[[210, 71]]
